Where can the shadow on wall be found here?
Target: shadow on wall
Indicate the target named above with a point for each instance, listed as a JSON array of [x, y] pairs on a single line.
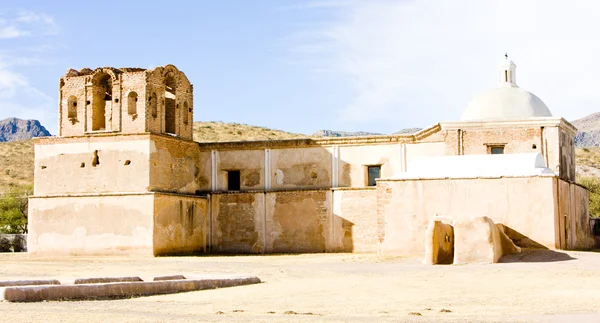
[[536, 255], [346, 234]]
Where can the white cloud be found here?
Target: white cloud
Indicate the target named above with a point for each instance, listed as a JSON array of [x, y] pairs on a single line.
[[419, 62], [27, 23], [18, 97], [11, 32]]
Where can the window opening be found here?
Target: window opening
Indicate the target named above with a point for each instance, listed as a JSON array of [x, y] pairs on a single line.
[[185, 113], [101, 101], [233, 180], [170, 105], [72, 109], [498, 150], [132, 99], [153, 102], [374, 172]]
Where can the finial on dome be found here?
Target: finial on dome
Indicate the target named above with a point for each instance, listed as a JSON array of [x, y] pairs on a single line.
[[508, 73]]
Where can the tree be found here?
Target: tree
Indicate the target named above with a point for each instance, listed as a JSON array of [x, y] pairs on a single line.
[[593, 185], [13, 210]]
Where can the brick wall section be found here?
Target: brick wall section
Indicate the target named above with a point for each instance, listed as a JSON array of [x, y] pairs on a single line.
[[384, 195], [515, 140], [72, 87]]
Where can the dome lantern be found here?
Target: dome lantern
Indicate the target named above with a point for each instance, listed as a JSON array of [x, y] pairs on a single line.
[[508, 72], [507, 102]]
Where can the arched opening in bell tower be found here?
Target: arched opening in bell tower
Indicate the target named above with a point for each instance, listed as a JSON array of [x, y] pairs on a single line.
[[170, 105]]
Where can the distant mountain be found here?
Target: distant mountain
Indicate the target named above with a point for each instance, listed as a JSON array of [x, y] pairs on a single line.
[[13, 129], [408, 131], [588, 134], [331, 133]]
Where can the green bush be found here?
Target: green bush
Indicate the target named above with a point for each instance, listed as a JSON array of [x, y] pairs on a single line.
[[593, 184], [13, 210]]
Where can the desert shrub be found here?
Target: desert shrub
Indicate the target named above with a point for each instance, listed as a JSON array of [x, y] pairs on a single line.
[[18, 244], [5, 245], [593, 184], [13, 210]]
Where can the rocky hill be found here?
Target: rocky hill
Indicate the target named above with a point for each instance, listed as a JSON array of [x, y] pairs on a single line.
[[589, 131], [13, 129], [332, 133]]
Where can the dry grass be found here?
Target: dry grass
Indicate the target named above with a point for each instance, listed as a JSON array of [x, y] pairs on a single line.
[[588, 157], [222, 132], [16, 164]]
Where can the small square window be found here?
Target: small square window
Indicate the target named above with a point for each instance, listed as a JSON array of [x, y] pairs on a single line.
[[374, 172], [233, 180], [497, 150]]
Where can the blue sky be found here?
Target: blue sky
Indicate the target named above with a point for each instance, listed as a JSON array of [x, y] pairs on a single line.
[[300, 66]]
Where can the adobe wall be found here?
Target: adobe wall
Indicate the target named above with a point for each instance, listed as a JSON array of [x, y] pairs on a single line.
[[294, 221], [91, 165], [552, 137], [251, 164], [157, 104], [237, 222], [72, 87], [77, 225], [573, 225], [355, 220], [180, 224], [300, 168], [146, 224], [354, 160], [133, 102], [178, 166], [526, 205]]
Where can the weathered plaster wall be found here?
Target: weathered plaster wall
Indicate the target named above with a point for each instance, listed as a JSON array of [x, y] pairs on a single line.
[[178, 166], [355, 220], [250, 163], [300, 168], [294, 221], [91, 165], [573, 226], [299, 221], [91, 224], [238, 222], [567, 155], [354, 160], [180, 224], [514, 140], [523, 204]]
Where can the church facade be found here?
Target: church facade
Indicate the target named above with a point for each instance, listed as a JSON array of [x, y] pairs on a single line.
[[125, 176]]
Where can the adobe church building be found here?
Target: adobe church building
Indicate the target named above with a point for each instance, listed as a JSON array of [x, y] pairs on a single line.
[[125, 177]]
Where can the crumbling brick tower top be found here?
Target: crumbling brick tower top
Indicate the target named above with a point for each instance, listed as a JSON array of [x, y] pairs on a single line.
[[125, 100]]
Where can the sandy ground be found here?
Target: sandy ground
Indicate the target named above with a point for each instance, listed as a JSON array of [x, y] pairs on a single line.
[[541, 286]]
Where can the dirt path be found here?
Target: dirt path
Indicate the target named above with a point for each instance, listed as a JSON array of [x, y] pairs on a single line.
[[329, 288]]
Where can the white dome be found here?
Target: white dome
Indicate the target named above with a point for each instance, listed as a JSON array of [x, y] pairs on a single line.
[[506, 102]]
